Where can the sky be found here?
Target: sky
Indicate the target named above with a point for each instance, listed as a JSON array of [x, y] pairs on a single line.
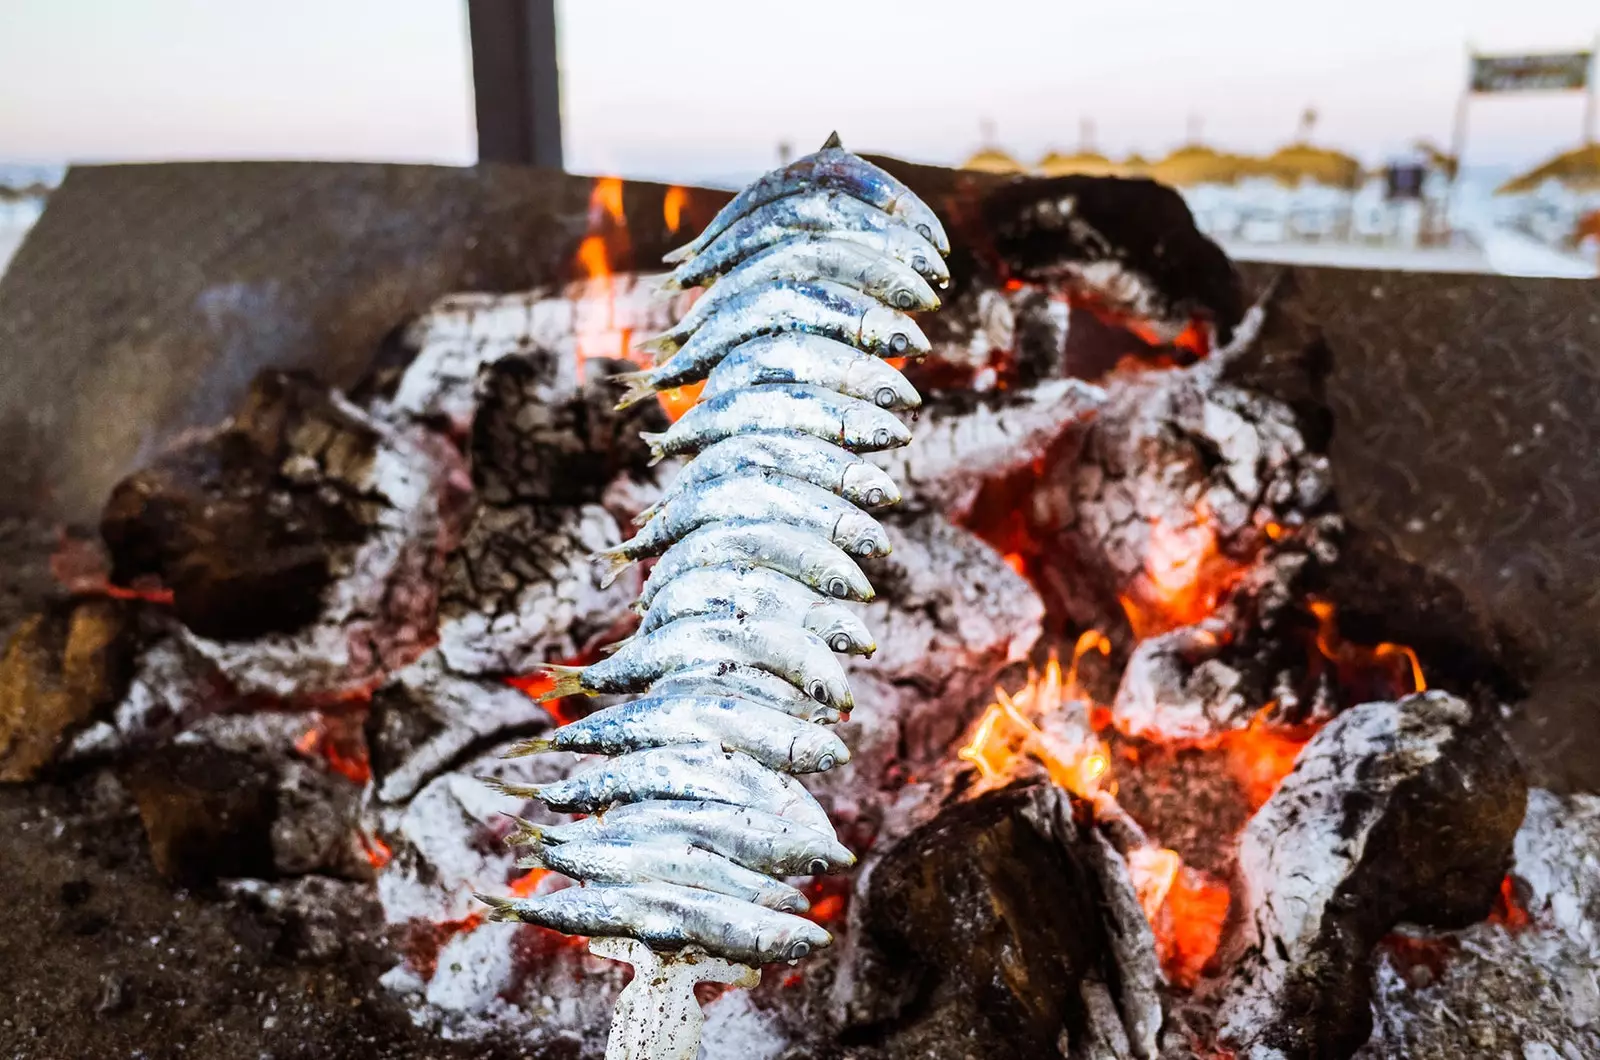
[[706, 89]]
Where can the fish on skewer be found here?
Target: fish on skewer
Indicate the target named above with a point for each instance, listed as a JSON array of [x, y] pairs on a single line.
[[668, 917], [812, 560], [746, 682], [664, 862], [845, 421], [757, 592], [816, 361]]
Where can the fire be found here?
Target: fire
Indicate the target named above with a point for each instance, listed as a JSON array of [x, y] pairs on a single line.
[[1185, 907], [377, 851], [525, 885], [1185, 574], [1353, 661], [672, 208], [1260, 756], [1077, 760], [1509, 912]]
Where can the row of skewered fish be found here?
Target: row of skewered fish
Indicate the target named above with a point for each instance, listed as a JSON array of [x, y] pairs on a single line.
[[696, 818]]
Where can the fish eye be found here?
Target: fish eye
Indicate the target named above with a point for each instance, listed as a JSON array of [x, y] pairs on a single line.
[[837, 588], [875, 496], [798, 950], [866, 547], [886, 395], [825, 763], [817, 867], [818, 690], [881, 436], [925, 232], [839, 642], [904, 299], [898, 342], [919, 263]]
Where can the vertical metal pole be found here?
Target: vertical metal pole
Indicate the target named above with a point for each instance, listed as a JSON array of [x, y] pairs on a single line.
[[1458, 140], [1592, 104], [516, 81]]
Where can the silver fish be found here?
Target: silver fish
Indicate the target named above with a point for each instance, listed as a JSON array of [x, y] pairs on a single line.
[[753, 838], [814, 410], [789, 651], [813, 560], [665, 916], [836, 169], [800, 455], [746, 682], [814, 360], [776, 740], [817, 307], [688, 771], [757, 592], [809, 257], [679, 863], [840, 216], [763, 495]]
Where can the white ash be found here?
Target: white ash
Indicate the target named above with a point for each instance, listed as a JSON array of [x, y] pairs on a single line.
[[318, 914], [169, 689], [379, 610], [1532, 991], [965, 441], [461, 333], [736, 1029], [1174, 687], [521, 588], [1303, 845], [462, 711]]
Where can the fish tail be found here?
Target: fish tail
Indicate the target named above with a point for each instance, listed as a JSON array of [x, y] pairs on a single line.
[[524, 748], [501, 909], [613, 561], [639, 384], [657, 441], [647, 515], [832, 142], [661, 288], [662, 343], [516, 791], [683, 253], [526, 834], [612, 649]]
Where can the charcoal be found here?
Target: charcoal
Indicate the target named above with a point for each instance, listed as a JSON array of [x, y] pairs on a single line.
[[986, 924], [59, 669], [207, 812], [1129, 245], [1393, 811]]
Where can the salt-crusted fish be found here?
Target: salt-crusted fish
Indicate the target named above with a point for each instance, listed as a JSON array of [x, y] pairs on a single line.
[[776, 740], [665, 862], [763, 495], [814, 360], [799, 455], [790, 651], [840, 216], [810, 257], [850, 422], [687, 771], [757, 592], [753, 838], [746, 682], [665, 916], [802, 555], [836, 169], [816, 307]]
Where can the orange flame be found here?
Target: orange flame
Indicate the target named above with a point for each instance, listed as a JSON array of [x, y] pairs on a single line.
[[1396, 659], [1005, 735], [1509, 912], [526, 884], [672, 208], [605, 200], [1185, 574], [1186, 910], [341, 743], [377, 851], [1260, 756]]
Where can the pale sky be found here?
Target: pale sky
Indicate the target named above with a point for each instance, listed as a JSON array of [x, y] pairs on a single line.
[[706, 88]]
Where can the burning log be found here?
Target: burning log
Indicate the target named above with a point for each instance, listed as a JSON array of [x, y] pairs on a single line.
[[1394, 811]]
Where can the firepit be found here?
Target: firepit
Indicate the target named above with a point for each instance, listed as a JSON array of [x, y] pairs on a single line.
[[1163, 753]]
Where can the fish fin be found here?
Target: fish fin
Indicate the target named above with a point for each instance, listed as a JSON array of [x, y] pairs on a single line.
[[683, 253], [523, 748], [657, 441], [832, 142], [501, 909], [613, 561], [516, 791], [640, 386]]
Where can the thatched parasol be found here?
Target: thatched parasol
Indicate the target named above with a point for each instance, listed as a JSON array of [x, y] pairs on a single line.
[[1298, 161], [994, 160], [1083, 163], [1578, 170]]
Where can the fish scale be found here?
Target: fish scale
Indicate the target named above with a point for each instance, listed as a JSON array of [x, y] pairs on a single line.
[[734, 679]]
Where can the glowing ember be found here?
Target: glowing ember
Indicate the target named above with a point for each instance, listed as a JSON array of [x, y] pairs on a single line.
[[1260, 756], [1509, 912], [341, 743], [1089, 640], [1016, 562], [1186, 910], [377, 851], [535, 685], [1353, 662], [1185, 574], [672, 208], [1006, 736]]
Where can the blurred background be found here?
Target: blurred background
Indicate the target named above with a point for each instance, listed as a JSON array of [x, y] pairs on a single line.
[[1434, 134]]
